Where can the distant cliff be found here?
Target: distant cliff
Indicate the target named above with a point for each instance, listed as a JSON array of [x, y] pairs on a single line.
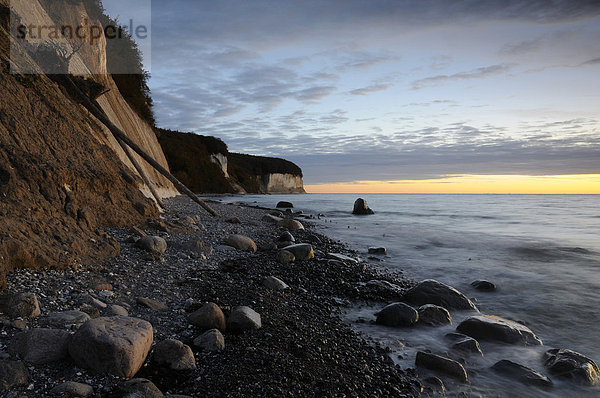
[[206, 166]]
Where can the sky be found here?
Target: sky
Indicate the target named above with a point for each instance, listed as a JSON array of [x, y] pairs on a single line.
[[390, 96]]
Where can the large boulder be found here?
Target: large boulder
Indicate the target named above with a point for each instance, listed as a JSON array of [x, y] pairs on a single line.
[[301, 251], [115, 345], [242, 319], [41, 346], [443, 365], [397, 314], [209, 316], [572, 365], [434, 315], [241, 242], [154, 245], [290, 224], [361, 207], [431, 291], [522, 373], [173, 354], [495, 328]]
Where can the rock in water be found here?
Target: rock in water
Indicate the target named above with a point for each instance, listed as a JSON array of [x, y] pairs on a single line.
[[290, 224], [243, 318], [522, 373], [211, 340], [434, 315], [72, 389], [377, 250], [301, 251], [572, 365], [209, 316], [241, 242], [152, 244], [173, 354], [361, 207], [431, 291], [115, 345], [483, 286], [41, 346], [495, 328], [12, 373], [467, 344], [443, 365], [397, 314], [285, 205]]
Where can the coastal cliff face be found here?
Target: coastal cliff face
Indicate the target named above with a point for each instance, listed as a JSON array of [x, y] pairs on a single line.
[[282, 183]]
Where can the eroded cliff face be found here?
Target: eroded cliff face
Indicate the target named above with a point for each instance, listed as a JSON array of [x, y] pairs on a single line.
[[282, 183]]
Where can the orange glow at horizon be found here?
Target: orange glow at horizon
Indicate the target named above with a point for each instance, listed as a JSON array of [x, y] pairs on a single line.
[[472, 184]]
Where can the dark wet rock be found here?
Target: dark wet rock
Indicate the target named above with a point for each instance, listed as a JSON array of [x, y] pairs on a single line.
[[434, 315], [301, 251], [41, 346], [290, 224], [431, 291], [211, 340], [285, 205], [572, 365], [377, 250], [436, 384], [12, 373], [361, 207], [273, 283], [173, 354], [66, 318], [386, 288], [397, 314], [285, 256], [209, 316], [92, 301], [522, 373], [142, 388], [342, 258], [154, 245], [495, 328], [241, 242], [483, 286], [115, 345], [242, 319], [286, 237], [154, 305], [467, 344], [443, 365], [22, 305], [283, 245], [72, 389]]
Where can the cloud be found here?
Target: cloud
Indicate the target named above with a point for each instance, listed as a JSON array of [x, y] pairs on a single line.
[[594, 61], [370, 89], [525, 46], [478, 73]]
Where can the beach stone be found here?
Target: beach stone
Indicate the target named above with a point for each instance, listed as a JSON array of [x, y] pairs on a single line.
[[301, 251], [211, 340], [289, 223], [431, 291], [572, 365], [283, 245], [341, 257], [234, 220], [154, 305], [173, 354], [437, 385], [434, 315], [41, 346], [103, 286], [272, 218], [22, 305], [64, 318], [377, 250], [142, 388], [397, 314], [286, 237], [72, 389], [242, 319], [285, 257], [115, 345], [443, 365], [271, 282], [115, 309], [153, 244], [386, 287], [285, 205], [12, 373], [18, 324], [361, 207], [522, 373], [241, 242], [92, 301], [483, 286], [467, 344], [495, 328], [209, 316], [93, 312], [198, 247]]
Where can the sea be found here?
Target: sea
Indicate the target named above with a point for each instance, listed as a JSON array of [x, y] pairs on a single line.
[[541, 251]]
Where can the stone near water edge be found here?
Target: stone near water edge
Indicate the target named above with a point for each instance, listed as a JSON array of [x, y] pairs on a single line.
[[209, 316], [495, 328], [142, 388], [174, 355], [361, 207], [152, 244], [72, 389], [290, 224], [437, 385], [211, 340], [12, 373], [377, 250], [301, 251], [243, 319], [41, 346], [522, 373], [467, 344], [386, 287], [65, 318], [572, 365], [115, 345], [286, 237], [397, 314], [431, 291], [115, 309], [342, 258], [241, 242], [22, 305], [441, 364], [285, 257], [273, 283], [483, 286], [285, 205], [434, 315], [271, 218]]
